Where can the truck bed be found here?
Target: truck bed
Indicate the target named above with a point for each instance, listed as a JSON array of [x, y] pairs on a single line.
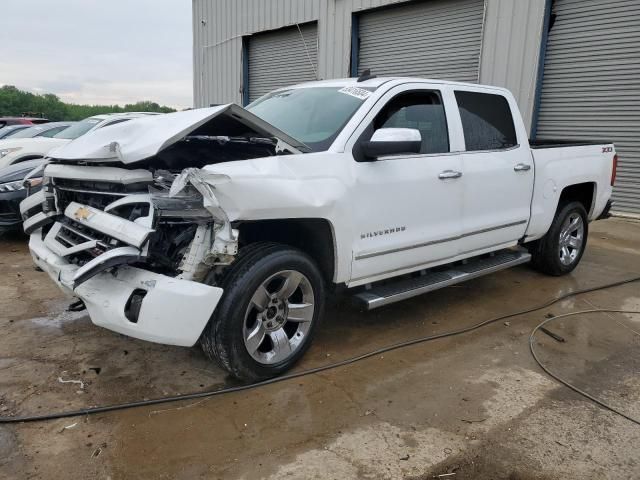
[[557, 143]]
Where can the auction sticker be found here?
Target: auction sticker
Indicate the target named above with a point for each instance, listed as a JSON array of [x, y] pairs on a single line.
[[360, 93]]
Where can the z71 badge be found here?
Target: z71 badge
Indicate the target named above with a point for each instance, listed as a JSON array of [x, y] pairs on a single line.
[[379, 233]]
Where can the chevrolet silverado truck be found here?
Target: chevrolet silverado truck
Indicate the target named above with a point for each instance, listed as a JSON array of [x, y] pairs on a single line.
[[226, 226]]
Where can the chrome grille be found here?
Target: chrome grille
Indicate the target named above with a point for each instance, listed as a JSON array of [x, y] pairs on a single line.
[[79, 243], [92, 193]]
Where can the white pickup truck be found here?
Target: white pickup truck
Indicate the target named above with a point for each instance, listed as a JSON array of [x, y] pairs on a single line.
[[227, 226]]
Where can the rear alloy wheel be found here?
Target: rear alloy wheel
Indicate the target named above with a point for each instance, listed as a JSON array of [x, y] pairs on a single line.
[[571, 239], [272, 303], [560, 250]]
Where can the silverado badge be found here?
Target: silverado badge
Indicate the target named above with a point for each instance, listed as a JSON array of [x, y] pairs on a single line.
[[379, 233]]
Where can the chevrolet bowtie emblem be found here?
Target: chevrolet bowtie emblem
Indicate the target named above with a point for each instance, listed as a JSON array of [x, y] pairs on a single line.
[[82, 213]]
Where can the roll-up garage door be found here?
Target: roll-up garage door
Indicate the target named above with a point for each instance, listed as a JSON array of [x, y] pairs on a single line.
[[281, 58], [591, 84], [433, 39]]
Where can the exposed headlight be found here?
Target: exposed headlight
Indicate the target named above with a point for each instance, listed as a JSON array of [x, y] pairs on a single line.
[[6, 151], [12, 186]]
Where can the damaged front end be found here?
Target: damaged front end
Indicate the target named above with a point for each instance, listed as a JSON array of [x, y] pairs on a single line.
[[137, 262], [134, 237]]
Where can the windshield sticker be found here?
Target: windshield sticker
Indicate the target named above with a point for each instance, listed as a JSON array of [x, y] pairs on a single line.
[[360, 93]]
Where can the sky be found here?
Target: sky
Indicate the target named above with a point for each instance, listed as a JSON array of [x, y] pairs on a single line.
[[99, 51]]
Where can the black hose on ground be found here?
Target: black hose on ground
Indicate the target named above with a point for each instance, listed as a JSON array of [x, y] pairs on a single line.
[[311, 371], [562, 380]]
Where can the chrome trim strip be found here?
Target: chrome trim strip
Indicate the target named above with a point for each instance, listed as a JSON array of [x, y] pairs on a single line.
[[435, 242], [93, 192]]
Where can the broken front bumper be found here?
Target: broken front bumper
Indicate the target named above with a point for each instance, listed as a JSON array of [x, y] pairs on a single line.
[[166, 310]]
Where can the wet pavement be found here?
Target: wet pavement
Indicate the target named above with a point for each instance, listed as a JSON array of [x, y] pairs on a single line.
[[475, 406]]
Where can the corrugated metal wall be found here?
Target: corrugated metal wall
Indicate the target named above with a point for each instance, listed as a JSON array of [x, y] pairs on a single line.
[[509, 55], [591, 87], [436, 39], [511, 49], [282, 57]]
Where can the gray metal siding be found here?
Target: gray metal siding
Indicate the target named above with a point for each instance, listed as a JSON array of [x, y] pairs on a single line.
[[436, 39], [591, 86], [282, 57], [511, 49], [510, 46]]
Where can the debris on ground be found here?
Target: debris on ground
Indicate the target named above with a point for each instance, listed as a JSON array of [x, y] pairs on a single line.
[[555, 336], [75, 382], [68, 427]]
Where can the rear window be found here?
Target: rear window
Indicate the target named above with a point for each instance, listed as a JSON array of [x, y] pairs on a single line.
[[78, 129], [487, 121]]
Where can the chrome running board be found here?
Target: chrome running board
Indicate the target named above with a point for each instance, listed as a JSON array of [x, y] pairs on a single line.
[[379, 295]]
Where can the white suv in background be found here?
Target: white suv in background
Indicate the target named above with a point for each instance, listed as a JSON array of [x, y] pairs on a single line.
[[21, 149]]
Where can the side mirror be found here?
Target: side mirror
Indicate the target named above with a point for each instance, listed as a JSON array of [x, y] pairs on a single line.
[[392, 141]]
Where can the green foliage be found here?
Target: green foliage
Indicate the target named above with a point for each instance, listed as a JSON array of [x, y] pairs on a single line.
[[15, 102]]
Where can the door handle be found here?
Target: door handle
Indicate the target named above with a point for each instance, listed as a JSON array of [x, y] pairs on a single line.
[[449, 174], [522, 167]]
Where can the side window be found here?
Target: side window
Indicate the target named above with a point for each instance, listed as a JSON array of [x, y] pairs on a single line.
[[422, 111], [487, 121]]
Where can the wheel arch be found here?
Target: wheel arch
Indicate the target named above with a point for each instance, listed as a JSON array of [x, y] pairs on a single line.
[[314, 236], [585, 193]]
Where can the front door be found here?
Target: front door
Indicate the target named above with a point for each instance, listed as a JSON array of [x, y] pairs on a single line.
[[407, 208]]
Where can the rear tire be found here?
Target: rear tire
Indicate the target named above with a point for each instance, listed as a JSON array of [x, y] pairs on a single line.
[[560, 250], [272, 303]]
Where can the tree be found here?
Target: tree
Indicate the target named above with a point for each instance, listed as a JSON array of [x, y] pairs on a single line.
[[16, 102]]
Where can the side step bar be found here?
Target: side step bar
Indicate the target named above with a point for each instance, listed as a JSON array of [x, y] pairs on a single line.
[[380, 295]]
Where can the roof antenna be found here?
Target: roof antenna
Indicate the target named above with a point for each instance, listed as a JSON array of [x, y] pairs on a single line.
[[366, 75]]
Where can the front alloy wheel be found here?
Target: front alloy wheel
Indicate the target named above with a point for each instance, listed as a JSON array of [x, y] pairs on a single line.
[[278, 317], [272, 303]]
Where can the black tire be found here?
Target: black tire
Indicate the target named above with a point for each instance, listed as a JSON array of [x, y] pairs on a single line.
[[223, 340], [546, 252]]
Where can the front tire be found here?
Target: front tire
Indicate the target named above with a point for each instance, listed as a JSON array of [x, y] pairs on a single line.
[[272, 303], [560, 250]]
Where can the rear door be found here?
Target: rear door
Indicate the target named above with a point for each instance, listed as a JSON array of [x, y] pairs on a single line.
[[498, 171]]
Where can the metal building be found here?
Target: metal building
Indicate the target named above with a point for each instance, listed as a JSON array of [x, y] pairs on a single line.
[[573, 65], [590, 86]]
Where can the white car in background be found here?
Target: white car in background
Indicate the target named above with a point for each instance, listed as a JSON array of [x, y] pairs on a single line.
[[15, 150], [46, 130]]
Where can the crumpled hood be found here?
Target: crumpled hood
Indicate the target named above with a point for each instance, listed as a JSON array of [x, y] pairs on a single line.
[[142, 138]]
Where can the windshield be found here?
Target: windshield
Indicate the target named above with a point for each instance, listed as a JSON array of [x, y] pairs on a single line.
[[314, 115], [78, 129]]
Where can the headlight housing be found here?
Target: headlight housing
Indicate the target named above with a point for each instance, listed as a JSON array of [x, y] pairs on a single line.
[[6, 151], [12, 186]]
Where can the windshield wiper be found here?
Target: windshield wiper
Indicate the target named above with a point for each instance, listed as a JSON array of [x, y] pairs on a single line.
[[223, 139]]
